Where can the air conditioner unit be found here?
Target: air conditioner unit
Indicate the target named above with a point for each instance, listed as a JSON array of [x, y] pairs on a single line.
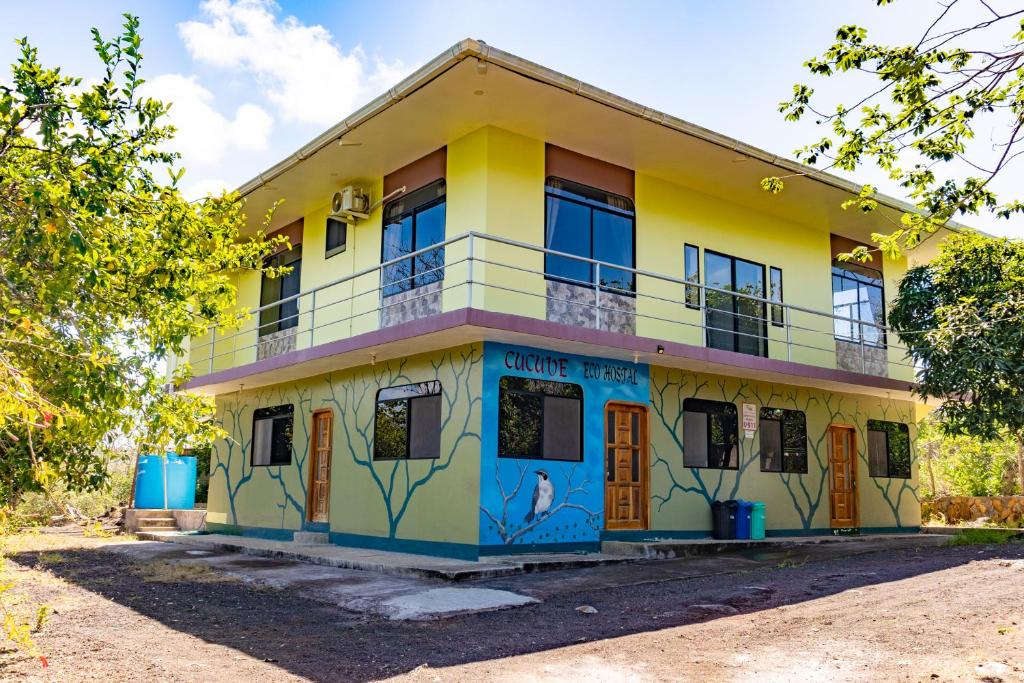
[[350, 204]]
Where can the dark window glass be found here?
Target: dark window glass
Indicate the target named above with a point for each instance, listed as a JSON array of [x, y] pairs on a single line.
[[735, 323], [783, 436], [407, 422], [775, 294], [710, 434], [337, 237], [414, 221], [272, 435], [691, 258], [285, 315], [540, 419], [888, 449], [857, 294], [587, 222]]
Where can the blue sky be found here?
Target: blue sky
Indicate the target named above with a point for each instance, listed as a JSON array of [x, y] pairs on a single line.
[[253, 80]]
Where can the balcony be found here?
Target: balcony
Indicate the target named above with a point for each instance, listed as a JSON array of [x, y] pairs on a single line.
[[496, 288]]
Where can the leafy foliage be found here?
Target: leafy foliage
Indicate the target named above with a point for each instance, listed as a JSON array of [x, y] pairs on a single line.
[[923, 110], [105, 270], [966, 465]]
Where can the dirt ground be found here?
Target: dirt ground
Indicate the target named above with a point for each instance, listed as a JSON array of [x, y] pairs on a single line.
[[910, 614]]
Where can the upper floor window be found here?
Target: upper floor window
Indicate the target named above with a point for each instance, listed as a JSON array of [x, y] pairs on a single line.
[[691, 266], [336, 236], [272, 435], [888, 449], [540, 419], [285, 315], [710, 434], [413, 222], [735, 323], [857, 295], [407, 422], [594, 224], [783, 440]]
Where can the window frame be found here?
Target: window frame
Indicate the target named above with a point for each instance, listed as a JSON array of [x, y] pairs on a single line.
[[735, 298], [592, 205], [781, 419], [901, 426], [735, 433], [777, 313], [281, 412], [408, 284], [428, 389], [542, 395], [852, 272], [694, 277], [280, 260], [330, 251]]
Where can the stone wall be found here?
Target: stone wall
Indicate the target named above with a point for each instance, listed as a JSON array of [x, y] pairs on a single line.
[[575, 305], [1002, 510], [413, 304], [276, 343], [869, 360]]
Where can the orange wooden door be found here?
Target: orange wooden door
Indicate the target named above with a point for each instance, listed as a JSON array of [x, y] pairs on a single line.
[[626, 477], [842, 477], [320, 469]]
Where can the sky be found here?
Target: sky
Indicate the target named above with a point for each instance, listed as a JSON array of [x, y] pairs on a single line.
[[253, 80]]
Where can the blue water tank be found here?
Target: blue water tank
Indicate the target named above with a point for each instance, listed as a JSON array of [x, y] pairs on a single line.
[[181, 482]]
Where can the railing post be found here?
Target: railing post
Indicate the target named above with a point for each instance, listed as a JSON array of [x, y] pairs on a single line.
[[213, 345], [597, 295], [469, 273], [789, 333], [703, 314], [312, 317]]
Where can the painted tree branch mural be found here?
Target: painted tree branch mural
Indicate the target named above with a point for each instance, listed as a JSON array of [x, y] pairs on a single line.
[[397, 481], [300, 453], [233, 447], [894, 488], [807, 491], [507, 530]]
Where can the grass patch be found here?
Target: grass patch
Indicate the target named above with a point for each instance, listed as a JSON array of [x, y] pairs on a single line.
[[981, 537], [160, 571]]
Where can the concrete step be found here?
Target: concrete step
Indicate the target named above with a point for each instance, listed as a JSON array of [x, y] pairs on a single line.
[[155, 514], [310, 538], [162, 524]]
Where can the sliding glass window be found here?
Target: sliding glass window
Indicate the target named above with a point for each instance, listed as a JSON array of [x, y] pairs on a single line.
[[735, 323], [285, 315], [594, 224], [413, 222], [857, 295]]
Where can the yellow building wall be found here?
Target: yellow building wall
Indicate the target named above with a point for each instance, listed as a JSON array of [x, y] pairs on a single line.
[[420, 499]]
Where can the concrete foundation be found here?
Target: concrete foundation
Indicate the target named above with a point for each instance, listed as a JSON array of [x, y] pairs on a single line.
[[186, 520]]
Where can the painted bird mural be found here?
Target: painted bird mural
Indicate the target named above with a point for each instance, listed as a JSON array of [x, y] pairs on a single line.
[[543, 496]]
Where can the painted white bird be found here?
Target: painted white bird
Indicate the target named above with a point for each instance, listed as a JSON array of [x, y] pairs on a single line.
[[543, 495]]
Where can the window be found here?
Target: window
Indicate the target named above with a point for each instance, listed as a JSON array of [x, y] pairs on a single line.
[[407, 423], [337, 237], [539, 419], [587, 222], [775, 294], [272, 435], [783, 440], [857, 294], [888, 449], [691, 258], [735, 323], [285, 315], [413, 222], [710, 434]]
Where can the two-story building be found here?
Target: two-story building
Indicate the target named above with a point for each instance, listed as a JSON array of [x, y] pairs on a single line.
[[527, 314]]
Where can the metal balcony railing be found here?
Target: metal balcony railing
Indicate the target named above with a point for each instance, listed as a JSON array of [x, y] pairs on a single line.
[[503, 275]]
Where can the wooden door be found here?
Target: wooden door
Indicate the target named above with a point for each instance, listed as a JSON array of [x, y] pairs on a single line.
[[842, 477], [626, 477], [320, 466]]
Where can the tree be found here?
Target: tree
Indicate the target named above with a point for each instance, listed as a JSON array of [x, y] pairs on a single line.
[[918, 119], [105, 269]]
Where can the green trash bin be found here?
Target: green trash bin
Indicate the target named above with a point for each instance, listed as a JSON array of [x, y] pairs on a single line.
[[757, 520]]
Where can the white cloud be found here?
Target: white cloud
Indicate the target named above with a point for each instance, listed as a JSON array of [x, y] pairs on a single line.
[[204, 187], [302, 70], [204, 135]]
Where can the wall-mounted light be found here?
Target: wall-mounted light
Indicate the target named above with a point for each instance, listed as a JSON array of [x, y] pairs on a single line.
[[661, 349]]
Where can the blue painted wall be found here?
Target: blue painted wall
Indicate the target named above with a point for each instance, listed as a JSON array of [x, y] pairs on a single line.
[[576, 516]]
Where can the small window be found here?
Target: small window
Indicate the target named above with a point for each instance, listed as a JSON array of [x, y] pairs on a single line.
[[540, 419], [272, 436], [858, 298], [783, 440], [286, 315], [337, 237], [775, 294], [888, 449], [414, 222], [407, 423], [692, 267], [710, 434]]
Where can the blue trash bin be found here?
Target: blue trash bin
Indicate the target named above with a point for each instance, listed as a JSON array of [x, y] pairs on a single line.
[[743, 518]]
